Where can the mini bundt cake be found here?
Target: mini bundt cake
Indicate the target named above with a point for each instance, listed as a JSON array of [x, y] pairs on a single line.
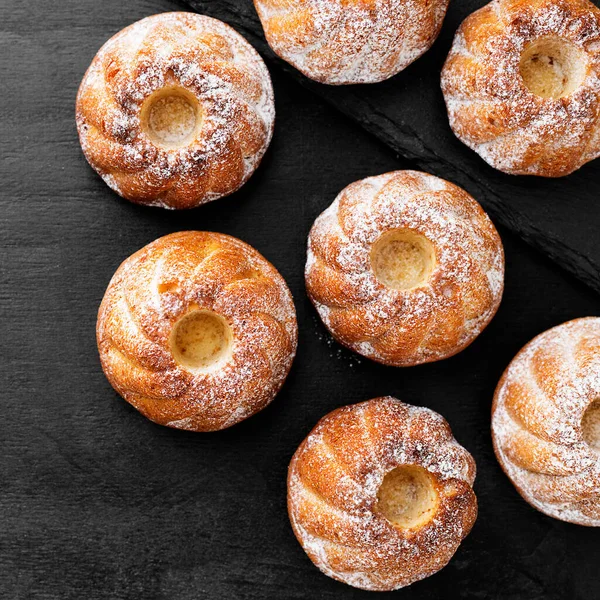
[[340, 42], [405, 268], [175, 110], [197, 331], [380, 494], [522, 85], [546, 422]]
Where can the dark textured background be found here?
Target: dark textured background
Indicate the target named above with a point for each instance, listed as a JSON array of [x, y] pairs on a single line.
[[96, 502]]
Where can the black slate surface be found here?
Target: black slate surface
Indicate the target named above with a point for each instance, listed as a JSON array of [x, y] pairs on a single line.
[[96, 502], [407, 113]]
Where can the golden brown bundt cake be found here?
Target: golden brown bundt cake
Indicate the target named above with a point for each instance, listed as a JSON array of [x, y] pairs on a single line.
[[405, 268], [546, 422], [380, 494], [522, 85], [197, 331], [351, 41], [175, 110]]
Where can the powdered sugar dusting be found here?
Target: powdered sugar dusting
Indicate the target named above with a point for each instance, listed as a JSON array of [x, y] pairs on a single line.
[[537, 422], [164, 281], [201, 56], [491, 109], [400, 327], [337, 42], [332, 494]]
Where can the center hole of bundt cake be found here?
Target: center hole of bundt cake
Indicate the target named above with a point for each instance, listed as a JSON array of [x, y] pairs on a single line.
[[552, 67], [402, 259], [201, 341], [170, 117], [407, 497], [590, 425]]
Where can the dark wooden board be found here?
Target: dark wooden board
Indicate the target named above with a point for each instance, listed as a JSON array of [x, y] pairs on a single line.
[[96, 502], [407, 113]]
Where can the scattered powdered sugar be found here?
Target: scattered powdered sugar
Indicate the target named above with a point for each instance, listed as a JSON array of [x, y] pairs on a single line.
[[428, 322], [335, 350], [164, 281], [537, 421], [332, 494], [201, 56], [491, 109], [495, 276], [337, 42], [181, 424]]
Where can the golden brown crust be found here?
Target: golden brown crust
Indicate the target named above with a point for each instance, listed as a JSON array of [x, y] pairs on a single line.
[[405, 327], [199, 56], [537, 415], [491, 108], [168, 279], [340, 42], [333, 481]]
